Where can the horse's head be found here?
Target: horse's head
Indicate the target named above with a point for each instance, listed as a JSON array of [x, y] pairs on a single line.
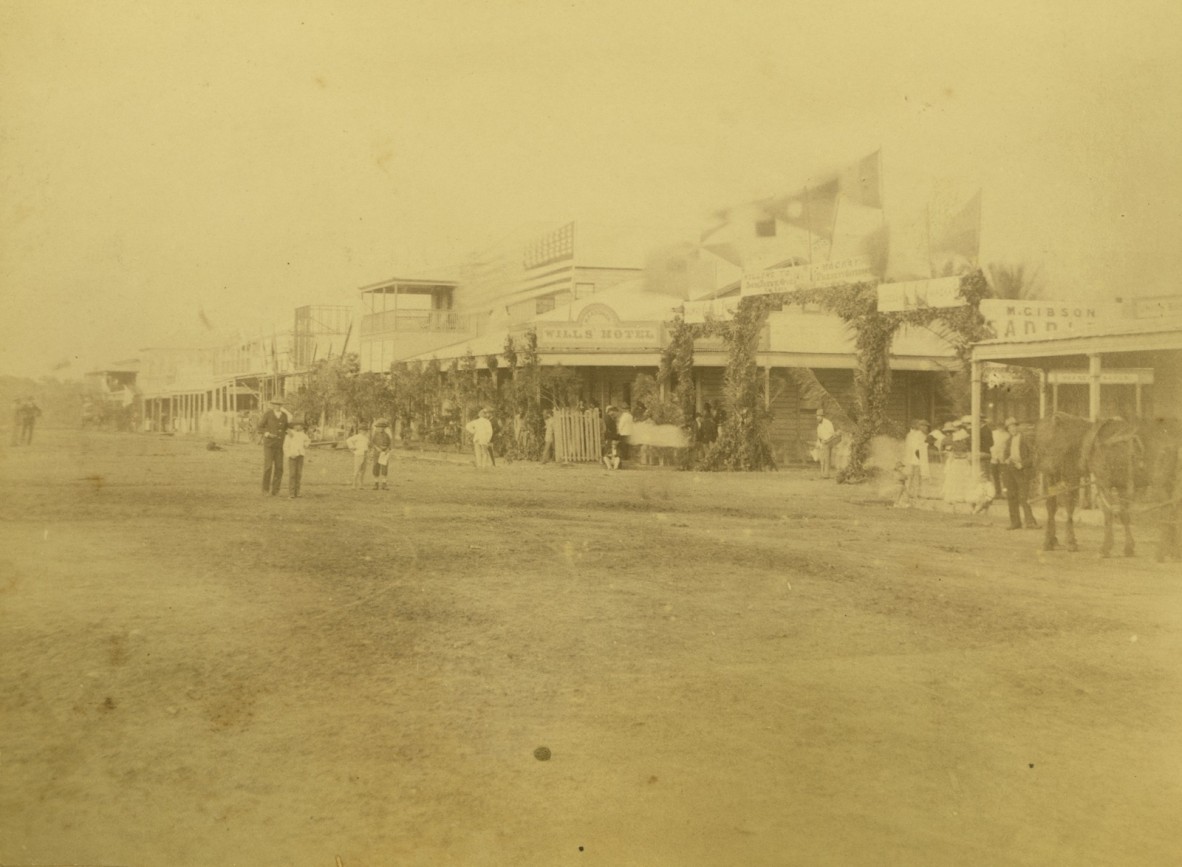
[[1111, 451], [1057, 441], [1160, 438]]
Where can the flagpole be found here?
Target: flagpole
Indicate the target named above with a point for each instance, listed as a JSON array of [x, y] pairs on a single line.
[[927, 211], [833, 230], [808, 216]]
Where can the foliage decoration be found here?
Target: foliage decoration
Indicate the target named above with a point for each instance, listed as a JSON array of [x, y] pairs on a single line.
[[743, 440]]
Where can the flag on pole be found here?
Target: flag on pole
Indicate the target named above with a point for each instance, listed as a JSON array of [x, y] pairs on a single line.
[[815, 208], [860, 183], [955, 236], [801, 225], [548, 263]]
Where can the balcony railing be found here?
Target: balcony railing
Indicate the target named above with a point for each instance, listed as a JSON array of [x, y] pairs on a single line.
[[413, 321]]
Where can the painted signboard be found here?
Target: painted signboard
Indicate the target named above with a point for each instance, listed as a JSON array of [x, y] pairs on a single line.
[[599, 335], [914, 294], [854, 269], [1157, 306], [1127, 376], [1002, 376], [1019, 319]]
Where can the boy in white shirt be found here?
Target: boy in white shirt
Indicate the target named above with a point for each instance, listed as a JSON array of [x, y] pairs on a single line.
[[358, 444], [915, 462], [381, 444], [295, 446]]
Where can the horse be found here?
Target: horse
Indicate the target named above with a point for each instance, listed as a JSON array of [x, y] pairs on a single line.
[[1113, 452], [1057, 443], [1119, 456]]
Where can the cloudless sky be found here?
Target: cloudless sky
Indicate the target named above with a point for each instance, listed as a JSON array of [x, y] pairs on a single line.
[[243, 158]]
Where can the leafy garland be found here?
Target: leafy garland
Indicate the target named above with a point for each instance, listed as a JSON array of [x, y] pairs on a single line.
[[744, 441]]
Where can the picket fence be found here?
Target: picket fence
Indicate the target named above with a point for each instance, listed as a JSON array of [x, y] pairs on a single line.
[[578, 435]]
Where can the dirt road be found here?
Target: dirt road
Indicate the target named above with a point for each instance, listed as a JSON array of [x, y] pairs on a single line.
[[726, 669]]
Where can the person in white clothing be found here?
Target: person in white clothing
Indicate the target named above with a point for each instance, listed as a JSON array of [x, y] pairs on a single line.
[[624, 427], [358, 444], [826, 440], [481, 431], [998, 452], [295, 447], [915, 462]]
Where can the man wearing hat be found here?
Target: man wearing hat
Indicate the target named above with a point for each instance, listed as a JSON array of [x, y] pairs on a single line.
[[273, 430], [382, 443], [915, 460], [481, 431], [826, 440], [1019, 475], [997, 455]]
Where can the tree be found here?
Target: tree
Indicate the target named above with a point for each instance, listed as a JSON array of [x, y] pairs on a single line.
[[1014, 282]]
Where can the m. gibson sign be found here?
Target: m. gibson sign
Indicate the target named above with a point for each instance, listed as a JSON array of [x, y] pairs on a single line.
[[599, 335], [1018, 319]]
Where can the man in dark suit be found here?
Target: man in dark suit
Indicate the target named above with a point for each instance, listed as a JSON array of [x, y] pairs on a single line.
[[1019, 474], [273, 428]]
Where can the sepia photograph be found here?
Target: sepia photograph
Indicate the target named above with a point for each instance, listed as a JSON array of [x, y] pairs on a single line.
[[626, 434]]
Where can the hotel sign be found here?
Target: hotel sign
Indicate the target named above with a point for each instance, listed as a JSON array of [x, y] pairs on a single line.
[[575, 336], [855, 269]]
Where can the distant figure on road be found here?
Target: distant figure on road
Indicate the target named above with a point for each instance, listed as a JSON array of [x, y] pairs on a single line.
[[382, 444], [30, 412], [358, 444], [1019, 474], [17, 420], [272, 428], [481, 431], [295, 448], [827, 437]]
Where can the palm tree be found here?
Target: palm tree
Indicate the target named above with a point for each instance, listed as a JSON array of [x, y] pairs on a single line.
[[1018, 282]]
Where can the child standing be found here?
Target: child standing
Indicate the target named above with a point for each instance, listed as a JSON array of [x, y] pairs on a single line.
[[295, 446], [358, 444], [382, 444]]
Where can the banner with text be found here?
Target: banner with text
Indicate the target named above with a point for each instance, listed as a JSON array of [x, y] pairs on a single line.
[[854, 269], [915, 294]]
